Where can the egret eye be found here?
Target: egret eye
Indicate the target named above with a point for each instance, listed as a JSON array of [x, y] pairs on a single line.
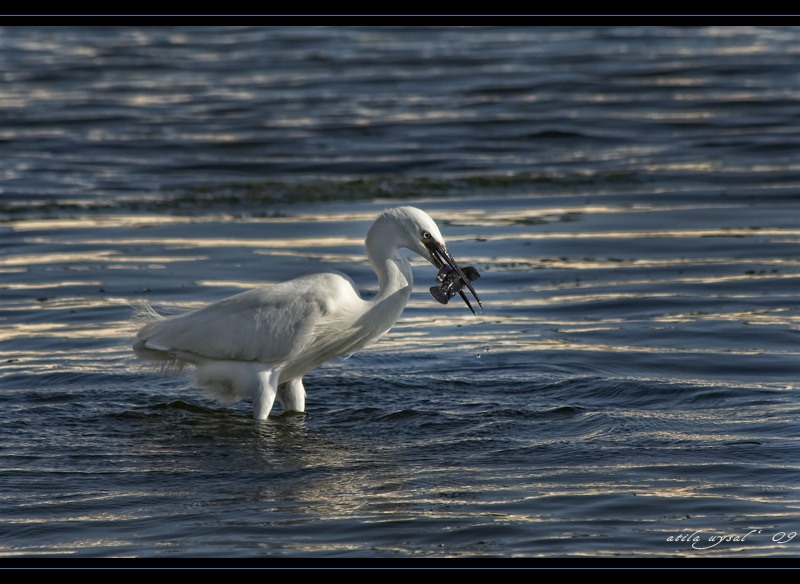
[[426, 235]]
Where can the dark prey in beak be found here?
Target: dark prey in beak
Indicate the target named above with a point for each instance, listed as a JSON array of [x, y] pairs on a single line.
[[452, 278]]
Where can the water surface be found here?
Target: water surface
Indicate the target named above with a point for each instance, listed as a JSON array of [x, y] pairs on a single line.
[[629, 195]]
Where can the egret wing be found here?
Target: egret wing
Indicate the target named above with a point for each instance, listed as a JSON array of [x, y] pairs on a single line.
[[266, 324]]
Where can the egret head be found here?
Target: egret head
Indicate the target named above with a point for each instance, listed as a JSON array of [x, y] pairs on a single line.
[[418, 232]]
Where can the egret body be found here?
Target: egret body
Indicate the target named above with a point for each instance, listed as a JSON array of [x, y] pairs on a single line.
[[259, 344]]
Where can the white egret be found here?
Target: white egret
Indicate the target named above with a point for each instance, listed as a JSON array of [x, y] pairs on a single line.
[[259, 344]]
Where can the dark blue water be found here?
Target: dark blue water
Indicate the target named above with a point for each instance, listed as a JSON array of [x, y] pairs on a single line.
[[629, 195]]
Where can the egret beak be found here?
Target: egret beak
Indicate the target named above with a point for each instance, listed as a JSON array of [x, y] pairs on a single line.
[[452, 277]]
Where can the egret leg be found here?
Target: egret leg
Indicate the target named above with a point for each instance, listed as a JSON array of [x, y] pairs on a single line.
[[264, 394], [292, 395]]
